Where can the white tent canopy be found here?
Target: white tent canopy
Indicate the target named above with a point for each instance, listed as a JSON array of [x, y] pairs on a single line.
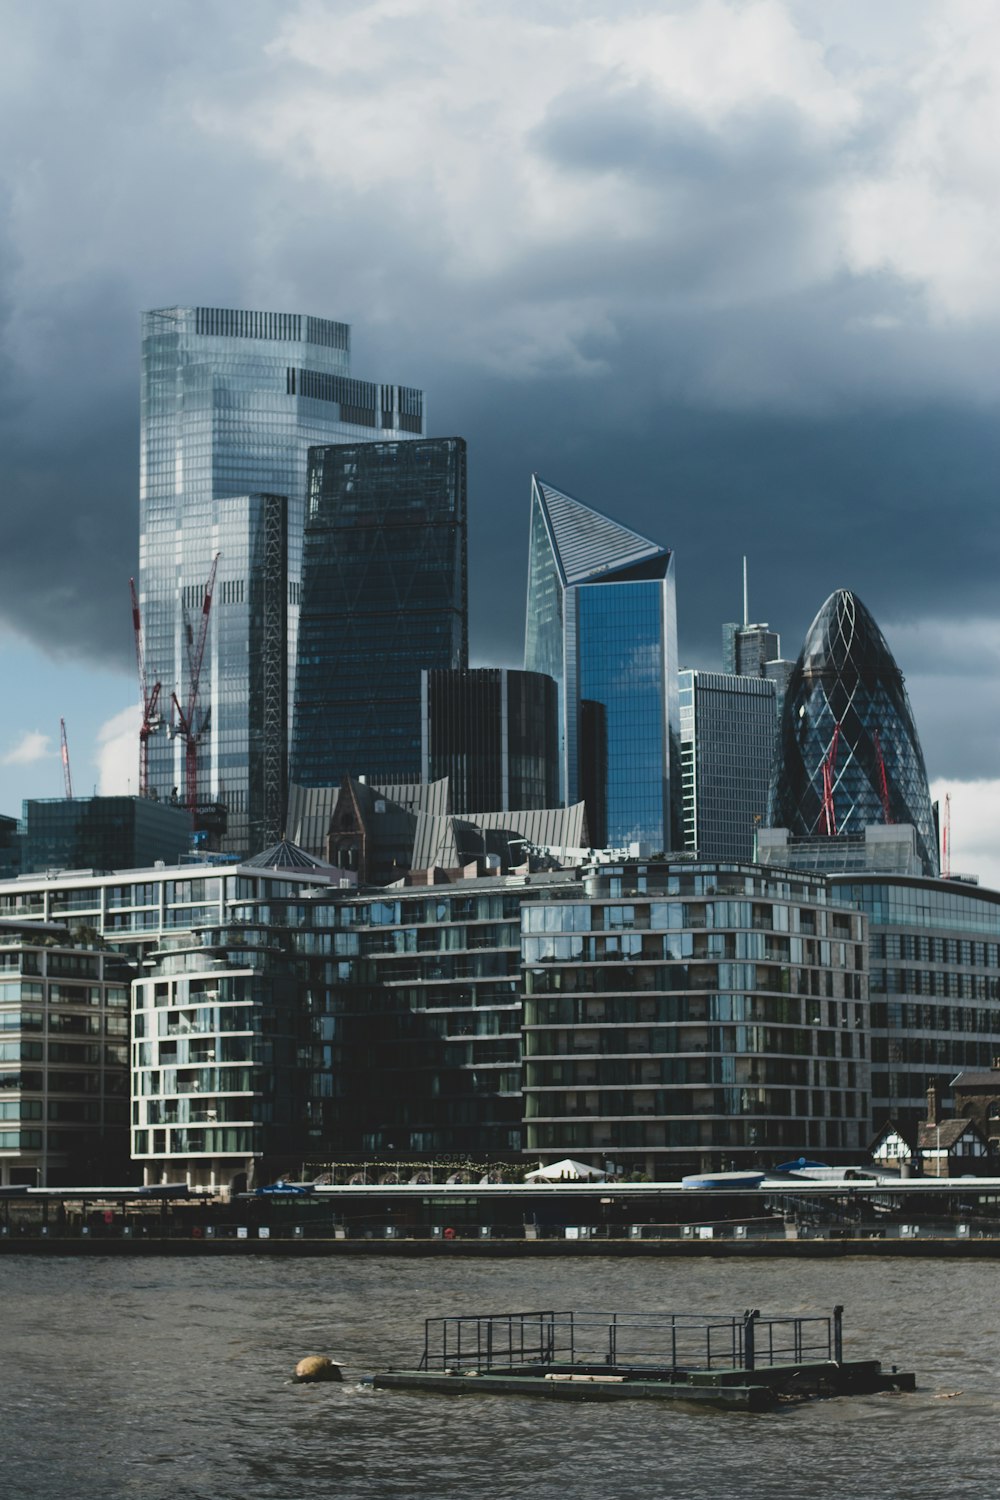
[[566, 1170]]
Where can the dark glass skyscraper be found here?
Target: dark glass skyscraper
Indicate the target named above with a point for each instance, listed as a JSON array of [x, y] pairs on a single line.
[[494, 733], [384, 595], [848, 753], [602, 621]]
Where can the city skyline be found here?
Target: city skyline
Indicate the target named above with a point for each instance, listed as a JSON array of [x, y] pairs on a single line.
[[752, 303]]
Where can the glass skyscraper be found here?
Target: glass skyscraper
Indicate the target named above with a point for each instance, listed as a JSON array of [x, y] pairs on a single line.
[[727, 747], [384, 596], [602, 621], [848, 752], [493, 733], [231, 402]]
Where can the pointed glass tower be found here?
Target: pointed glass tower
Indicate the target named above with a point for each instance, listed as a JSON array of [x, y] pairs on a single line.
[[848, 753], [602, 621]]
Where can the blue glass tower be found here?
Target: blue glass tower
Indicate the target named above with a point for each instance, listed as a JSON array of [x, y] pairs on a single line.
[[231, 402], [846, 710], [602, 621]]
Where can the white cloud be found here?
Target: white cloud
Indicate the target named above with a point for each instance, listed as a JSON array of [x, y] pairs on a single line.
[[32, 747], [929, 213], [830, 145], [975, 827], [117, 754]]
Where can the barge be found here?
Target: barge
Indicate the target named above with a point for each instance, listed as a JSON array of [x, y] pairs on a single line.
[[747, 1362]]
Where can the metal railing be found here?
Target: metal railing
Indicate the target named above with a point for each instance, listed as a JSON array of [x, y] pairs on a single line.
[[667, 1343]]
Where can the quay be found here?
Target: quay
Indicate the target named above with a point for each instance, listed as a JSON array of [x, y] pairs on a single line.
[[809, 1219], [750, 1362]]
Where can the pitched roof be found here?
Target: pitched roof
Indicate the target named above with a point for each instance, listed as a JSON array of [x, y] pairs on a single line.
[[285, 855], [947, 1134], [311, 808], [891, 1127], [588, 544]]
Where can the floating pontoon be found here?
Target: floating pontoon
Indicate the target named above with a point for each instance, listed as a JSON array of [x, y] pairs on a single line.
[[749, 1362]]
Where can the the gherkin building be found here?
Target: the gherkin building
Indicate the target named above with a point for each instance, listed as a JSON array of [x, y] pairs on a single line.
[[848, 753]]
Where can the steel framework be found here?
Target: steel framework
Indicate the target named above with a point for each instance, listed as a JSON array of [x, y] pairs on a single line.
[[272, 576], [187, 716], [149, 697]]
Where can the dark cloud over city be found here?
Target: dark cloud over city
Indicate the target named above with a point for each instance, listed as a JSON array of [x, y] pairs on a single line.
[[724, 269]]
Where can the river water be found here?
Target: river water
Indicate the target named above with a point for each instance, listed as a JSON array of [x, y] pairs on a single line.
[[168, 1379]]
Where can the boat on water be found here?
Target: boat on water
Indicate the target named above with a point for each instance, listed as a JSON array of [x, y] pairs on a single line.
[[703, 1182]]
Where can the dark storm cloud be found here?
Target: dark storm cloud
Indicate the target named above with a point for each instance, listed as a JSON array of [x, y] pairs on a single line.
[[103, 165], [647, 299]]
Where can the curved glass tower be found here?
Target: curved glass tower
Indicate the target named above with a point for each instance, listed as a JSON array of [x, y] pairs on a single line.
[[848, 752]]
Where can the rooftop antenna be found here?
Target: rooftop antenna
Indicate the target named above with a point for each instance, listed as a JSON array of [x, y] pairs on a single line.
[[746, 597]]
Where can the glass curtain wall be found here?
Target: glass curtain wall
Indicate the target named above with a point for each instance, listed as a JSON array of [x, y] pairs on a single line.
[[602, 622], [231, 401], [846, 710], [385, 596]]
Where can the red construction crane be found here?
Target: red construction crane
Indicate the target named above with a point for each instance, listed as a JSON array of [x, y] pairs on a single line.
[[149, 697], [883, 780], [186, 716], [64, 745], [828, 815], [946, 838]]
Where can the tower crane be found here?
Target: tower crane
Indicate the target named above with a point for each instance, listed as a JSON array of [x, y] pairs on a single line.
[[190, 731], [149, 697], [64, 750]]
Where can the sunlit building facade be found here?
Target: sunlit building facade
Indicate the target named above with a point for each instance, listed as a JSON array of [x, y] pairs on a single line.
[[64, 1073], [934, 950], [848, 752], [601, 621], [700, 1016], [231, 401]]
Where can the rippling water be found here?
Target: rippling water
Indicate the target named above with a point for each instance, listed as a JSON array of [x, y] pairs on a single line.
[[153, 1379]]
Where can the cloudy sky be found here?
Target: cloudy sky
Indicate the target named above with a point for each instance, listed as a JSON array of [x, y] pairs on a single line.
[[726, 269]]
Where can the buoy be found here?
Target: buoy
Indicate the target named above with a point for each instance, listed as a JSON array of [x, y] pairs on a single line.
[[449, 1233], [317, 1367]]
